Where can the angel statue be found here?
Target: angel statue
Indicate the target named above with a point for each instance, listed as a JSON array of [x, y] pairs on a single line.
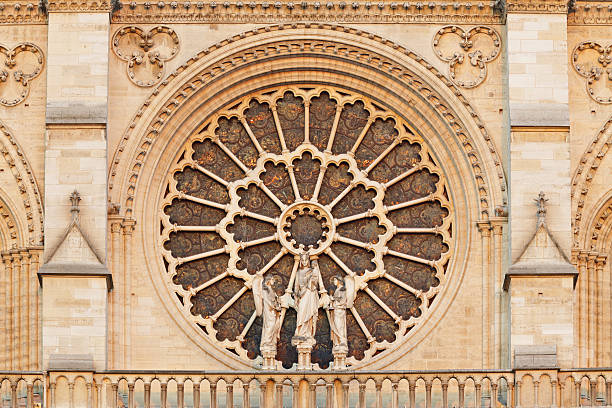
[[342, 298], [267, 305], [306, 291]]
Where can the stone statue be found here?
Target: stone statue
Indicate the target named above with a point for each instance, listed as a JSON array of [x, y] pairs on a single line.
[[267, 305], [341, 299], [306, 301]]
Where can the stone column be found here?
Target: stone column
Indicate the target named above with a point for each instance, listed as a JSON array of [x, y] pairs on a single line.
[[502, 357], [603, 298], [485, 232], [592, 310], [126, 344], [16, 311], [6, 315], [114, 305], [26, 310]]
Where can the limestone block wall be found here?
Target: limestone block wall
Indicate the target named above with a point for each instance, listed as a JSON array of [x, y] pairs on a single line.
[[542, 314], [539, 115], [76, 117], [78, 67], [76, 160], [540, 162], [74, 322]]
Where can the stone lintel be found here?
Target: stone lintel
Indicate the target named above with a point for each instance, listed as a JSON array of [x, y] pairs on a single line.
[[84, 112], [538, 356], [76, 270], [539, 115], [542, 270], [71, 362]]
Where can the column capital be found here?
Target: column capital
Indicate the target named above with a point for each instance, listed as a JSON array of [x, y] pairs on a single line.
[[484, 227], [128, 226]]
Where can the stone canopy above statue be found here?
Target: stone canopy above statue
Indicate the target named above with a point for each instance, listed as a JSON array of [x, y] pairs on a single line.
[[311, 172]]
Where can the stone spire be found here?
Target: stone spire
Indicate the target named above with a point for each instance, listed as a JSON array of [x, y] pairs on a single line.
[[75, 199], [541, 212]]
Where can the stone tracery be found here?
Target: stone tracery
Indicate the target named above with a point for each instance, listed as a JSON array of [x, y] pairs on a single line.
[[479, 45], [18, 65], [145, 52], [592, 61], [306, 168]]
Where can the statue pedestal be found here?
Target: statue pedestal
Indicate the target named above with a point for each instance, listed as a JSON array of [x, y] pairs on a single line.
[[269, 358], [304, 351], [304, 348], [340, 361], [340, 352]]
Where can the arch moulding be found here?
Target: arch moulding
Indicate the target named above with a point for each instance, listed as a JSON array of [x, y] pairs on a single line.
[[28, 214], [585, 173], [389, 74]]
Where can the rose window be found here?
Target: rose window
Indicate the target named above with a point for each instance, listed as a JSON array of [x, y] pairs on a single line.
[[301, 169]]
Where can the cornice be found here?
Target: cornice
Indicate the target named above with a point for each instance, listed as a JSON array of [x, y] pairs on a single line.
[[19, 12], [315, 11], [537, 6], [591, 13], [76, 6]]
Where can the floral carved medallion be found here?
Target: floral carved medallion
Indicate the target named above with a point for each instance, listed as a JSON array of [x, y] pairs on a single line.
[[316, 169]]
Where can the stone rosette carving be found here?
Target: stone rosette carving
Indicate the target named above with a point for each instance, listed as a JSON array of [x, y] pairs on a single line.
[[18, 66], [316, 169], [145, 52], [593, 61], [467, 52]]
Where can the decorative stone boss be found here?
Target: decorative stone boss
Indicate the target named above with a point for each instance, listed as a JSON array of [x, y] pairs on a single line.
[[309, 294]]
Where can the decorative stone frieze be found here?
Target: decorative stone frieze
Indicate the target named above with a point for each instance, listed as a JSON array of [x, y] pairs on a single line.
[[590, 13], [77, 6], [289, 11], [18, 12], [145, 52], [593, 61], [18, 66], [537, 6], [478, 45]]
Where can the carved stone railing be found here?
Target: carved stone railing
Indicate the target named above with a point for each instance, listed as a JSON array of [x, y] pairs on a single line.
[[308, 389], [21, 389]]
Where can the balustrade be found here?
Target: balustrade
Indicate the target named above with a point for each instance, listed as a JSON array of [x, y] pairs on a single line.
[[307, 389]]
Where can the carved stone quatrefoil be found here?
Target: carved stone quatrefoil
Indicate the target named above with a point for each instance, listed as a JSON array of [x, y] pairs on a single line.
[[145, 52], [18, 66], [594, 62], [479, 45]]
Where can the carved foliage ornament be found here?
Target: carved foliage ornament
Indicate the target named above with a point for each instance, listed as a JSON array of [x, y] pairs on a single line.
[[294, 169], [477, 46], [145, 52], [594, 62], [18, 66]]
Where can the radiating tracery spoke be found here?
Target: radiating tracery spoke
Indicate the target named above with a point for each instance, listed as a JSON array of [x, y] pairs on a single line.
[[299, 169]]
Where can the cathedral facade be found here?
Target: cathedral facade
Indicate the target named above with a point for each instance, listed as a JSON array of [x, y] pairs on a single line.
[[361, 203]]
